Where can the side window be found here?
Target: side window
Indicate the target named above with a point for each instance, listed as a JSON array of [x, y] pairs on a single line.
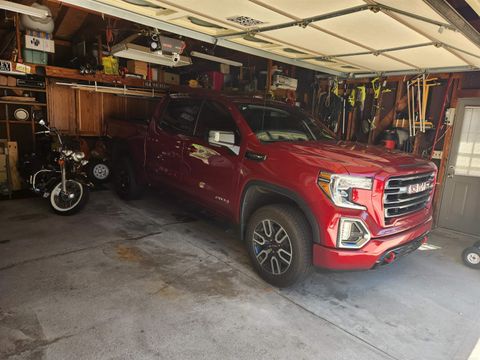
[[180, 116], [215, 116]]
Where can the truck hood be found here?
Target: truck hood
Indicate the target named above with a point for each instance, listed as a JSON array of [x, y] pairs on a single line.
[[358, 158]]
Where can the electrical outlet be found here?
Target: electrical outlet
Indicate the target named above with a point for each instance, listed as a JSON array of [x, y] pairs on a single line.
[[449, 116], [437, 154]]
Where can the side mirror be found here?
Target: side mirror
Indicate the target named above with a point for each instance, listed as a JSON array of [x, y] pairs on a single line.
[[224, 139]]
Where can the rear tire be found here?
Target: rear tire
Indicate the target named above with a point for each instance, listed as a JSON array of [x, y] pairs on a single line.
[[126, 184], [471, 257], [279, 243]]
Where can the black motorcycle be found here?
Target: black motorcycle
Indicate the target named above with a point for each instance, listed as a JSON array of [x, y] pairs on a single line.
[[59, 176]]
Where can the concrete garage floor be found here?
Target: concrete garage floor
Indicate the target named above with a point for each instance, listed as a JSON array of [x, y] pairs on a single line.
[[147, 280]]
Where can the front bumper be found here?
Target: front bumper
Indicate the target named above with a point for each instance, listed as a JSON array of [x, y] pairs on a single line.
[[373, 252]]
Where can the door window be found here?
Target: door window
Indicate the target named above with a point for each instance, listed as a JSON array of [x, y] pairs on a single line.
[[215, 116], [468, 157], [180, 116]]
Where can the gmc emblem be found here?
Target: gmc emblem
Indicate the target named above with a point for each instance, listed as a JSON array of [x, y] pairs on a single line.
[[416, 188]]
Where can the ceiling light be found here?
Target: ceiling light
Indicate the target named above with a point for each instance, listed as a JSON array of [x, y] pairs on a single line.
[[142, 53], [215, 58], [23, 9]]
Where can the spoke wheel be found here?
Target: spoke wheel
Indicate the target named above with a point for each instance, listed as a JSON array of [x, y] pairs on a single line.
[[69, 201], [272, 247]]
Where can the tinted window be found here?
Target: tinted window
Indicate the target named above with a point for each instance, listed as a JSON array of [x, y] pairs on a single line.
[[279, 124], [215, 116], [181, 115]]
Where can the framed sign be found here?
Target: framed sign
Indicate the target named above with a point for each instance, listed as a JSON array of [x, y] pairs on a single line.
[[6, 66]]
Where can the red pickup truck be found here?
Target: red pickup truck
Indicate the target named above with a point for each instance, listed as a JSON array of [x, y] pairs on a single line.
[[299, 196]]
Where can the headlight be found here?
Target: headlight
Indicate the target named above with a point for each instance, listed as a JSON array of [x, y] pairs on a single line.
[[78, 155], [339, 188]]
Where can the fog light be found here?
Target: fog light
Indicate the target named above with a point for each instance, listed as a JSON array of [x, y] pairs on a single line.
[[352, 234]]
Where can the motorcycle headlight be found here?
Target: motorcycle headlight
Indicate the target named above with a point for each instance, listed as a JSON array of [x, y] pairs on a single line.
[[78, 155], [340, 188]]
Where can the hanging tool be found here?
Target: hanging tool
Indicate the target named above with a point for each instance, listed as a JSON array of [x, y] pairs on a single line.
[[379, 91], [344, 106], [442, 114]]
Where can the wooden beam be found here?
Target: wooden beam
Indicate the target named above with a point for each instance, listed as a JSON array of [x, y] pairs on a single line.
[[70, 23], [19, 43]]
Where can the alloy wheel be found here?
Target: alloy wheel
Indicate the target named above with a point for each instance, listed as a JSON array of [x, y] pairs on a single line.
[[272, 247]]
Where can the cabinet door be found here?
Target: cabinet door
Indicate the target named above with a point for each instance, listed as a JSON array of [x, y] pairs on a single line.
[[89, 113], [61, 107]]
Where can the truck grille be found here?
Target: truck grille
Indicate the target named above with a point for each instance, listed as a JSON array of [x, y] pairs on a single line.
[[406, 194]]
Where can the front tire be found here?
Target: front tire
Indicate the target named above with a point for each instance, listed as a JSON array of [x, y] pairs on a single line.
[[126, 184], [70, 202], [279, 243], [471, 257]]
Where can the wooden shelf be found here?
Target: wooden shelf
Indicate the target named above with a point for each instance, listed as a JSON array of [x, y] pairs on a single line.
[[17, 121], [23, 103], [22, 88]]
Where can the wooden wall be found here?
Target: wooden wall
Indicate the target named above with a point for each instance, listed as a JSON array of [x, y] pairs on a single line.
[[80, 112]]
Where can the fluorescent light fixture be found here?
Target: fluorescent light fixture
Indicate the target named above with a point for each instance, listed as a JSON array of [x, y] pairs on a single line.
[[23, 9], [143, 53], [215, 58]]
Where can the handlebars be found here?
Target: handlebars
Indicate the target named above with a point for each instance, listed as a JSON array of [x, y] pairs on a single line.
[[49, 131]]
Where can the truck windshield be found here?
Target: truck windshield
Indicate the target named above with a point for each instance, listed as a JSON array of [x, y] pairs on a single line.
[[279, 124]]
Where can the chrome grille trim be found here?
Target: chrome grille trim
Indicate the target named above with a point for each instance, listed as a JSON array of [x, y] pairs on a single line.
[[396, 199]]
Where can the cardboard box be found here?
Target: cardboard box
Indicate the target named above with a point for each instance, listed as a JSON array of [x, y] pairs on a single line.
[[171, 79], [137, 67], [3, 80], [11, 81], [35, 57], [33, 42]]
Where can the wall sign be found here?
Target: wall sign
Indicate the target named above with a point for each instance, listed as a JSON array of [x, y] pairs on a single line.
[[6, 65]]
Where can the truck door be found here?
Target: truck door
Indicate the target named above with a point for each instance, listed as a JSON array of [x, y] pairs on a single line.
[[211, 172], [165, 140]]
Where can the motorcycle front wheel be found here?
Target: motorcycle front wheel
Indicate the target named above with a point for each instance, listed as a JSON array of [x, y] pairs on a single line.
[[71, 201]]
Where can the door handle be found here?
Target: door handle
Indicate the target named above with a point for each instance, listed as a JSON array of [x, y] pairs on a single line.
[[451, 171]]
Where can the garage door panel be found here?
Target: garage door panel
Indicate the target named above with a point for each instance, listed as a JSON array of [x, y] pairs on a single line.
[[380, 63], [377, 31], [306, 8], [315, 40], [429, 56], [449, 37]]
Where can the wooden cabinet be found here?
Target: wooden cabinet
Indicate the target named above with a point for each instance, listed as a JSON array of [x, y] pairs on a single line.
[[81, 112], [61, 107], [89, 112]]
